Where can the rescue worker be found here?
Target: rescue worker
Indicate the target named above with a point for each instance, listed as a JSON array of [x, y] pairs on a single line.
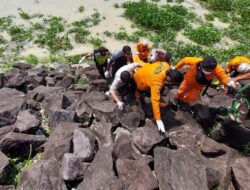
[[118, 59], [239, 65], [158, 55], [235, 123], [200, 73], [152, 77], [123, 83], [143, 49], [100, 56]]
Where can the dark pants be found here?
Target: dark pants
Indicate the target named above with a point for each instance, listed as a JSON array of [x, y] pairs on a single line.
[[127, 91], [101, 68]]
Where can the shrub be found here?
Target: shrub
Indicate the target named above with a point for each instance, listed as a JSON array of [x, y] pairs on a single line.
[[24, 15], [81, 9], [31, 59], [222, 16], [206, 34], [96, 42], [209, 17]]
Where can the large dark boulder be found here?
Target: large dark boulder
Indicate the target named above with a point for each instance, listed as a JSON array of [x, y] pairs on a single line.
[[2, 80], [114, 183], [11, 102], [179, 170], [83, 111], [220, 158], [92, 74], [146, 138], [123, 147], [131, 121], [136, 172], [71, 167], [60, 140], [99, 171], [19, 144], [7, 187], [26, 122], [99, 85], [186, 136], [60, 115], [241, 173], [5, 130], [5, 168], [43, 175], [16, 79], [22, 66], [107, 111], [66, 82], [84, 144], [102, 131], [34, 81], [93, 98]]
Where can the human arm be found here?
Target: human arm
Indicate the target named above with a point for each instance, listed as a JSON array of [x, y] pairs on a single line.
[[189, 61], [242, 77]]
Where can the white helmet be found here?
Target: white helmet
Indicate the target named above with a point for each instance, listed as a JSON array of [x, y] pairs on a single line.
[[144, 42], [243, 68]]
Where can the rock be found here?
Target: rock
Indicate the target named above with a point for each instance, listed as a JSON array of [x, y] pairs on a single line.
[[50, 81], [99, 171], [180, 169], [146, 138], [123, 147], [35, 81], [217, 101], [57, 102], [213, 177], [84, 144], [186, 137], [102, 131], [43, 175], [39, 70], [241, 172], [114, 183], [5, 168], [2, 80], [7, 187], [22, 66], [99, 85], [5, 130], [72, 168], [60, 115], [11, 102], [136, 172], [26, 122], [92, 75], [16, 79], [220, 158], [137, 109], [107, 111], [120, 131], [18, 144], [60, 140], [131, 121], [93, 98], [66, 82], [83, 111]]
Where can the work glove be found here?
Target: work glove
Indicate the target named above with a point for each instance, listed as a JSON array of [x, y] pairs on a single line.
[[173, 67], [120, 105], [231, 84], [160, 126], [107, 74], [81, 60]]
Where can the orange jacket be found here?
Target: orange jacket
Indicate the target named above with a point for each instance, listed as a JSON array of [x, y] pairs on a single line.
[[152, 76], [136, 59], [143, 51], [189, 77], [235, 62]]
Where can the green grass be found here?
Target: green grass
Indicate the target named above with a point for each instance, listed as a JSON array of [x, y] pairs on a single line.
[[81, 9], [31, 59], [205, 34], [24, 15], [95, 41]]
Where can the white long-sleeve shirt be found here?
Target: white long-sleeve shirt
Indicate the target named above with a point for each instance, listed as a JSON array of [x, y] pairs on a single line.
[[117, 80]]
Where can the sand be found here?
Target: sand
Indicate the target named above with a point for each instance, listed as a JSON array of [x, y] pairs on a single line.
[[68, 9]]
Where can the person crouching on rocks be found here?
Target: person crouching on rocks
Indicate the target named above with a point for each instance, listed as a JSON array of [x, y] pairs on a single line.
[[200, 73], [123, 83], [100, 56], [152, 77]]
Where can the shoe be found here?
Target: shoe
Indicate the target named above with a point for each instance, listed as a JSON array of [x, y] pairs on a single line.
[[108, 93]]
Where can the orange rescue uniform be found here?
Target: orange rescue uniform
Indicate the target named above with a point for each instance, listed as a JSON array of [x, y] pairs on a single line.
[[152, 76], [235, 62], [189, 90], [143, 51]]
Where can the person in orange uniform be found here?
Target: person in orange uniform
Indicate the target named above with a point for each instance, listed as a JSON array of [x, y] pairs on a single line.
[[152, 77], [143, 49], [200, 73], [239, 64]]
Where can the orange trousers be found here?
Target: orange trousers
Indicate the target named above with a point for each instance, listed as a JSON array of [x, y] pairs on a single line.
[[189, 93]]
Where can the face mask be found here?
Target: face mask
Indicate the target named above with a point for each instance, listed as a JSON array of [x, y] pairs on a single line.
[[206, 72]]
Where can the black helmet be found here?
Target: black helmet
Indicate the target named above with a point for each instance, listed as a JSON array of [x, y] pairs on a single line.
[[126, 49], [175, 76], [209, 62]]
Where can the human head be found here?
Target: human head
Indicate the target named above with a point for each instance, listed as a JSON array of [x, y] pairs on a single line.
[[126, 77], [168, 57], [209, 63], [103, 51], [174, 76], [126, 51]]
